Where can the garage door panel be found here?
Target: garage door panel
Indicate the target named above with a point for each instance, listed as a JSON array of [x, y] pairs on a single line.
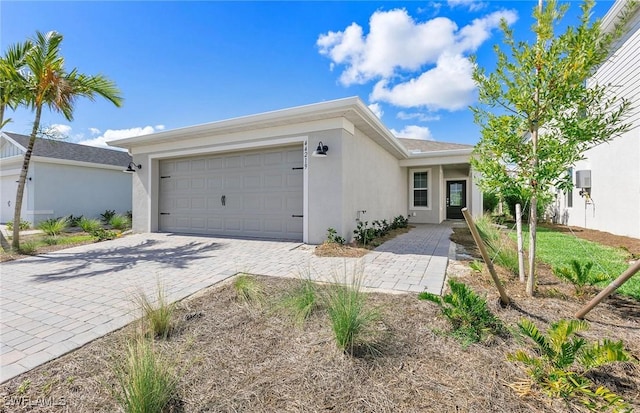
[[262, 191]]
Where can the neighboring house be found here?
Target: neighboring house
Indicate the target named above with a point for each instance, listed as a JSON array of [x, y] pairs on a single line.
[[64, 178], [262, 175], [607, 181]]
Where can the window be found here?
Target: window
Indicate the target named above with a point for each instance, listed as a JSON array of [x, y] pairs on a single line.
[[420, 189]]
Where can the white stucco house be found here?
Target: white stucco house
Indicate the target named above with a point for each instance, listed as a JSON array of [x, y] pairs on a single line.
[[607, 182], [293, 173], [63, 179]]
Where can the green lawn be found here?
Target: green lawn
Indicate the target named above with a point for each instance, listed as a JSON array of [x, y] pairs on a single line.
[[558, 249]]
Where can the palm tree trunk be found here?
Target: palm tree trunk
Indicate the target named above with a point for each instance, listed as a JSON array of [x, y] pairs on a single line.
[[15, 243]]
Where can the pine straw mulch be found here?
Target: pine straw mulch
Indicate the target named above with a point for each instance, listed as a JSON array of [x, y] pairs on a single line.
[[353, 250], [237, 357]]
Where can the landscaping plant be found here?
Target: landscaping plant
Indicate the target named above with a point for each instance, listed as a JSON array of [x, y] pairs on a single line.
[[119, 222], [470, 318], [89, 225], [24, 225], [28, 248], [145, 382], [102, 234], [501, 248], [560, 361], [348, 313], [74, 221], [302, 301], [53, 227], [106, 216], [248, 289], [333, 237], [157, 315], [579, 275]]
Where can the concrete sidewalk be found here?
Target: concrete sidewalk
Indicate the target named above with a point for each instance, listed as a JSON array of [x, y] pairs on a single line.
[[54, 303]]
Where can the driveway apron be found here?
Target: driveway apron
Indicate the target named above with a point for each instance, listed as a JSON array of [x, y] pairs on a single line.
[[53, 303]]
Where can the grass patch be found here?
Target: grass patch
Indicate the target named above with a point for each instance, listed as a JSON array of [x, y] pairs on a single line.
[[502, 250], [350, 318], [558, 250], [146, 382], [302, 301], [248, 289], [158, 315]]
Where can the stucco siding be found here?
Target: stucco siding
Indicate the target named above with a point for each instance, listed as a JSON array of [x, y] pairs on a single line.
[[372, 181], [431, 214], [60, 190]]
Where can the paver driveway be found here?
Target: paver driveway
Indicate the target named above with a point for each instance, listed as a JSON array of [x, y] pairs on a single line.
[[51, 304]]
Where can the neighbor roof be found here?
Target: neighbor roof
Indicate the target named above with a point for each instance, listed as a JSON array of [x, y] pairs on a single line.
[[415, 145], [50, 148]]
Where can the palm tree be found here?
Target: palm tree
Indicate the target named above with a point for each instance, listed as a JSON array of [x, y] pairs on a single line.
[[12, 79], [47, 83]]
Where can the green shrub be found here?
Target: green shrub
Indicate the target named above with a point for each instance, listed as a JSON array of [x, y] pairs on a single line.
[[363, 235], [157, 315], [28, 248], [102, 234], [560, 361], [349, 316], [106, 216], [248, 289], [89, 225], [400, 222], [476, 265], [51, 240], [74, 221], [119, 222], [579, 275], [470, 318], [489, 202], [24, 225], [302, 301], [146, 382], [332, 237], [53, 227]]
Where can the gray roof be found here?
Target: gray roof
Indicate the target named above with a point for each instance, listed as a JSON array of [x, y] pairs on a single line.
[[51, 148], [430, 146]]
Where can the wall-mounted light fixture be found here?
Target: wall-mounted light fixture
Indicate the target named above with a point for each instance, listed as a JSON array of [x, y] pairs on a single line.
[[321, 151], [132, 167]]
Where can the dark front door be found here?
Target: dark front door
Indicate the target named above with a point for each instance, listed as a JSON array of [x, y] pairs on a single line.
[[456, 199]]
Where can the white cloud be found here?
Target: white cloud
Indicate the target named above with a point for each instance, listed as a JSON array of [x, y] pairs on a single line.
[[376, 109], [472, 5], [61, 130], [113, 134], [447, 86], [432, 53], [422, 117], [414, 132], [94, 131]]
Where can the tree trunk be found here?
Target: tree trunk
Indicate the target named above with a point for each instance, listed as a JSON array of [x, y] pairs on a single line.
[[521, 272], [533, 219], [15, 243]]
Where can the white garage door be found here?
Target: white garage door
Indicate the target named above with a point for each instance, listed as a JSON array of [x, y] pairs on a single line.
[[246, 194]]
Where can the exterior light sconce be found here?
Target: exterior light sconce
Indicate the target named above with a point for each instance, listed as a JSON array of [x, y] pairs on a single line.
[[132, 167], [321, 151]]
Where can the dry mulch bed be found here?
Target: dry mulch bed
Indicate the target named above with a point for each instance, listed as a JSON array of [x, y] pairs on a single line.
[[237, 357], [332, 249]]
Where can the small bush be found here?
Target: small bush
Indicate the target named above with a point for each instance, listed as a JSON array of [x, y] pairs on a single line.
[[348, 313], [332, 237], [560, 361], [467, 312], [74, 221], [146, 382], [400, 222], [119, 222], [24, 225], [89, 225], [579, 275], [302, 301], [476, 265], [28, 248], [157, 316], [363, 234], [53, 227], [51, 240], [248, 289], [102, 234], [106, 216], [489, 202]]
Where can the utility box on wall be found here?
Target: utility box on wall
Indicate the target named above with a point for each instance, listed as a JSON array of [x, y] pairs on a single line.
[[583, 179]]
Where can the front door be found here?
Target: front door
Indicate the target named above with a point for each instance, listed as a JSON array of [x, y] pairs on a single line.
[[456, 199]]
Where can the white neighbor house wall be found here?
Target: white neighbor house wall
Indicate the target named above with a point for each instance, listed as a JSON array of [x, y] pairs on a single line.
[[614, 166]]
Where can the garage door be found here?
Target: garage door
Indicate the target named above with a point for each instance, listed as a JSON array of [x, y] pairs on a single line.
[[247, 194]]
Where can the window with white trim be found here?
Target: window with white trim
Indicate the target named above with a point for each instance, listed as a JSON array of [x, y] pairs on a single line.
[[420, 188]]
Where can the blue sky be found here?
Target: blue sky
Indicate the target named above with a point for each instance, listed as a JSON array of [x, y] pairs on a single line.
[[186, 63]]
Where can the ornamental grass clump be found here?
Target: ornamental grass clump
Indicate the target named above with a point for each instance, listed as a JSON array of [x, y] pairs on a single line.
[[158, 314], [248, 289], [89, 225], [302, 301], [53, 227], [119, 222]]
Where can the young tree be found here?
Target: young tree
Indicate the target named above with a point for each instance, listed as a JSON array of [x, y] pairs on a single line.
[[49, 84], [536, 112]]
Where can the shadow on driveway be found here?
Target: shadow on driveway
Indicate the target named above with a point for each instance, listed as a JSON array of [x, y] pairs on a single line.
[[64, 265]]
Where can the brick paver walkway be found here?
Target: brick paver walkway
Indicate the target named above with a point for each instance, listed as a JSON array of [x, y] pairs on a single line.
[[54, 303]]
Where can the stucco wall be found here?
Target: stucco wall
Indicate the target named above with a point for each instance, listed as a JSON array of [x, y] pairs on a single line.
[[60, 190], [372, 181]]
